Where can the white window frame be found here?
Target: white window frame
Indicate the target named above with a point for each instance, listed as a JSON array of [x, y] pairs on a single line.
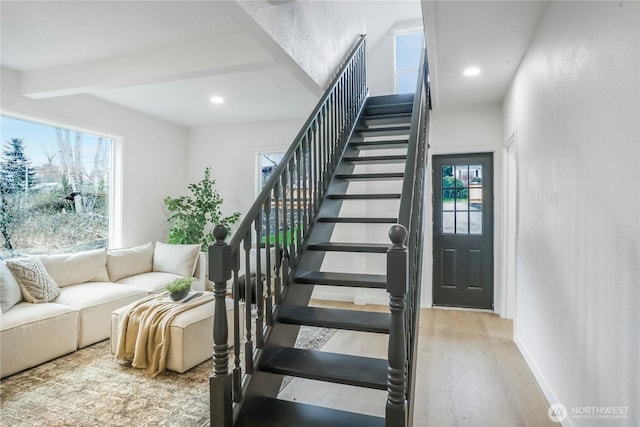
[[397, 33], [258, 169]]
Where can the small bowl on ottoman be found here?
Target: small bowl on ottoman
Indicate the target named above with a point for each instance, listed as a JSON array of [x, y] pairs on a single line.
[[179, 288]]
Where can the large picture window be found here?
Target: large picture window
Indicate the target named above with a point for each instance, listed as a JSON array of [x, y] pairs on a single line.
[[55, 189]]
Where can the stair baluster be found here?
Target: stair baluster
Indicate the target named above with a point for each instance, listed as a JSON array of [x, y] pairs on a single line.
[[292, 213], [220, 381], [259, 286], [397, 268], [237, 370], [248, 345], [277, 243], [267, 240]]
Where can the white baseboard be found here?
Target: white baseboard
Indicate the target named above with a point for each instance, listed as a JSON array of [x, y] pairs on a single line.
[[548, 392]]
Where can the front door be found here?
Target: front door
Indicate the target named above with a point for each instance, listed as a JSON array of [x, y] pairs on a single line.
[[463, 230]]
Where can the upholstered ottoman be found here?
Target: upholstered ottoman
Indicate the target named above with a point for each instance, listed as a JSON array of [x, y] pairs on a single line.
[[191, 335]]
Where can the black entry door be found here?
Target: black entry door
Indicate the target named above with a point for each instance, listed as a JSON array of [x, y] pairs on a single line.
[[463, 230]]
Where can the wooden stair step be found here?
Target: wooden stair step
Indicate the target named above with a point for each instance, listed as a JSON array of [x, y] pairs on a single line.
[[379, 145], [324, 366], [357, 220], [400, 158], [269, 412], [352, 320], [371, 248], [371, 176], [374, 281], [379, 196]]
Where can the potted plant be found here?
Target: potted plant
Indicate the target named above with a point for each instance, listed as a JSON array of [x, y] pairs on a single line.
[[193, 217], [179, 288]]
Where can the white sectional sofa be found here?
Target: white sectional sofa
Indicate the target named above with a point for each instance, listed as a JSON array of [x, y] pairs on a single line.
[[92, 284]]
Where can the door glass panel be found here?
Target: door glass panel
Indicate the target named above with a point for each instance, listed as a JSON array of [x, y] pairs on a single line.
[[462, 199], [475, 222], [448, 202], [448, 222], [462, 222], [447, 176], [475, 174]]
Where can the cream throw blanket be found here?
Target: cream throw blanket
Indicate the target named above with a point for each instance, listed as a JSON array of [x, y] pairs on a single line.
[[143, 330]]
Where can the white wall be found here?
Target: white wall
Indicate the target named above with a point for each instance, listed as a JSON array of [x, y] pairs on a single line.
[[316, 34], [231, 152], [153, 152], [575, 101], [465, 130]]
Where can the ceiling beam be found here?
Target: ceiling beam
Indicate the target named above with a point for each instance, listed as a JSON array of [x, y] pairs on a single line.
[[221, 54]]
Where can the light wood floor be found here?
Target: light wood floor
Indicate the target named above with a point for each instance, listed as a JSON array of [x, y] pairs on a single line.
[[469, 373]]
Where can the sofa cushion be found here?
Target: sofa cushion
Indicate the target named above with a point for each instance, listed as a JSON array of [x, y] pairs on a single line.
[[35, 283], [81, 267], [129, 261], [176, 259], [153, 282], [10, 293], [96, 301], [35, 333]]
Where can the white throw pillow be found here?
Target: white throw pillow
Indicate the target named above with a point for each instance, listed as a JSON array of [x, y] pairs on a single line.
[[10, 293], [36, 284], [129, 261], [176, 259], [80, 267]]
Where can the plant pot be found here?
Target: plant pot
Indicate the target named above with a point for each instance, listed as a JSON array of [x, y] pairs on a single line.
[[176, 296]]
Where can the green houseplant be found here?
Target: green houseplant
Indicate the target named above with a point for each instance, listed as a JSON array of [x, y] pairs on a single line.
[[179, 288], [193, 217]]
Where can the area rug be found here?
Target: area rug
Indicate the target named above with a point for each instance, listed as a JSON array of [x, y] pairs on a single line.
[[89, 388]]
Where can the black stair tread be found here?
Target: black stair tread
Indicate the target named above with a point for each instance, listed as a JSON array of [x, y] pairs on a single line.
[[401, 107], [368, 117], [364, 196], [371, 176], [390, 99], [397, 127], [391, 131], [357, 220], [268, 412], [375, 281], [324, 366], [373, 248], [400, 158], [353, 320], [378, 145], [394, 119]]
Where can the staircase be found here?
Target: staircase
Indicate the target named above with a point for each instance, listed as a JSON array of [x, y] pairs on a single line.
[[297, 214]]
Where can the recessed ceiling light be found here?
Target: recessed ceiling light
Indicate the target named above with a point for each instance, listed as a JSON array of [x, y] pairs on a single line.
[[216, 100], [471, 71]]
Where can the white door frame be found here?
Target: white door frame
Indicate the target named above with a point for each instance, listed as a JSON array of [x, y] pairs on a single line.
[[426, 300], [509, 226]]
